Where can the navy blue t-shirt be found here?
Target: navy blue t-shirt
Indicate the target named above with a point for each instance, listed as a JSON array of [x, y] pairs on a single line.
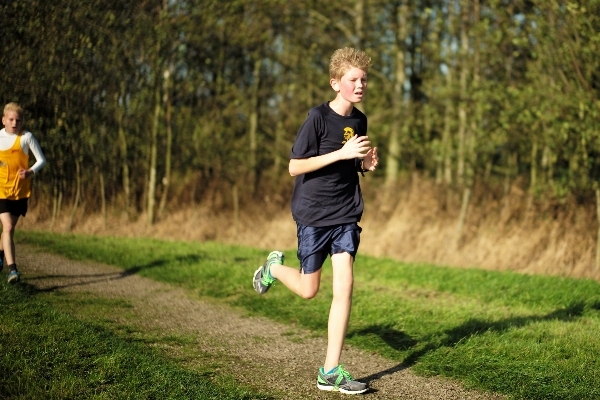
[[330, 195]]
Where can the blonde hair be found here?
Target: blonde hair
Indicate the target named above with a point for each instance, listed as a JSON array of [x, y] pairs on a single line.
[[342, 60], [12, 106]]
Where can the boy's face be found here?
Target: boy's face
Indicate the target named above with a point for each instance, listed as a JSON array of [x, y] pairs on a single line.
[[12, 122], [352, 86]]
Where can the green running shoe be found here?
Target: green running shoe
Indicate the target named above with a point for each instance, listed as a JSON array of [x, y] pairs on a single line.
[[14, 277], [262, 278], [340, 381]]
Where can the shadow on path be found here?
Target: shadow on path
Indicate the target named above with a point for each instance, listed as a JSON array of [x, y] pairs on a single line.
[[90, 279]]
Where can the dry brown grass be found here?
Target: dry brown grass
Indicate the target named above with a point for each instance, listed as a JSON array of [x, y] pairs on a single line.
[[414, 221]]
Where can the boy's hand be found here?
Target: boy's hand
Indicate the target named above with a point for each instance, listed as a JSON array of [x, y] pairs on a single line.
[[24, 173], [355, 147], [371, 160]]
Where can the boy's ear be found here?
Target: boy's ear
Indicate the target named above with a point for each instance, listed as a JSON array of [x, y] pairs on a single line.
[[334, 84]]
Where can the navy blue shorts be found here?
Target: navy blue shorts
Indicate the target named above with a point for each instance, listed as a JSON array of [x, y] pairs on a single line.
[[315, 243]]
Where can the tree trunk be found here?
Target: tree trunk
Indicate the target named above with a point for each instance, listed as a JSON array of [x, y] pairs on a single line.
[[77, 194], [449, 110], [103, 199], [359, 11], [57, 196], [532, 183], [236, 208], [462, 104], [463, 213], [447, 135], [252, 130], [511, 166], [122, 142], [279, 137], [167, 178], [153, 158], [466, 140], [393, 158], [358, 37]]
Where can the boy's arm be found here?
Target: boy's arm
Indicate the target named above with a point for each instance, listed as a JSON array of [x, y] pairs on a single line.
[[35, 148], [355, 147], [29, 144]]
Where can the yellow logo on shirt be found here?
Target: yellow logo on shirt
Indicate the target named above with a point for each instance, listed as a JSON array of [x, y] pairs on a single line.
[[348, 133]]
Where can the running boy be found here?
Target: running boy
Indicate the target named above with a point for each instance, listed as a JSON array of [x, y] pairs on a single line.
[[330, 149], [15, 180]]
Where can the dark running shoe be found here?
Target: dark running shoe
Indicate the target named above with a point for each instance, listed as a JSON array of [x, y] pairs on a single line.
[[14, 277], [262, 278], [340, 381]]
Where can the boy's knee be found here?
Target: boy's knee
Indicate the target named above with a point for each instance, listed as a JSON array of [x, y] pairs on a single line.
[[309, 294], [8, 228], [343, 289]]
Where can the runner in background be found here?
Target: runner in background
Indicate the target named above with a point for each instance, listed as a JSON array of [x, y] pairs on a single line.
[[15, 180]]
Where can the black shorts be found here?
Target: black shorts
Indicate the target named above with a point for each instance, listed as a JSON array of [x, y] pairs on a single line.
[[15, 207], [315, 244]]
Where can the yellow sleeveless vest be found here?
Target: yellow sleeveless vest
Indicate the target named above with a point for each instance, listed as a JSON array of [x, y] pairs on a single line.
[[11, 161]]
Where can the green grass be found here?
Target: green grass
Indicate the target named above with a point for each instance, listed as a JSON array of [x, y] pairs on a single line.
[[529, 337], [48, 354]]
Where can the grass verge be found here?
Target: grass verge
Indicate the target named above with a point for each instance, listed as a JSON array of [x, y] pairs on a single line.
[[529, 337], [46, 354]]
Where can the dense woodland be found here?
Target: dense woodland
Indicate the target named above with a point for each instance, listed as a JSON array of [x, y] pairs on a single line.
[[138, 103]]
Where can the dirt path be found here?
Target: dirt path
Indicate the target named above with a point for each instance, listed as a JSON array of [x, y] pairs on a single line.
[[265, 351]]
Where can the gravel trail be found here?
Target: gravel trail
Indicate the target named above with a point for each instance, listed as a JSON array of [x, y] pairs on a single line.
[[261, 351]]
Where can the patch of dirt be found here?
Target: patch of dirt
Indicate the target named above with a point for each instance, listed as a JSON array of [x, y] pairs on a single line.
[[267, 355]]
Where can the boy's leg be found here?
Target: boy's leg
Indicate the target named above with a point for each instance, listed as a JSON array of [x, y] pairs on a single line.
[[313, 249], [339, 314], [304, 285], [9, 222], [333, 377]]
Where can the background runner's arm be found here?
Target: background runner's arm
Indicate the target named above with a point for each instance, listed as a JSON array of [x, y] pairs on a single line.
[[29, 143]]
